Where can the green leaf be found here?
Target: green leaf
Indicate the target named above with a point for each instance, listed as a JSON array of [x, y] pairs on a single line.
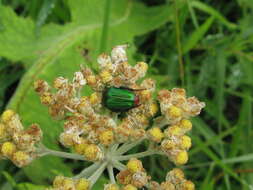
[[197, 35], [29, 186], [208, 9], [55, 53]]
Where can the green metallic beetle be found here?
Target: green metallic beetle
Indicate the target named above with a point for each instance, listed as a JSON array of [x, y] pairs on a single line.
[[120, 99]]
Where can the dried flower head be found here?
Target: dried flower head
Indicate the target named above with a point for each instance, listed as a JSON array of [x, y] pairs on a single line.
[[103, 126]]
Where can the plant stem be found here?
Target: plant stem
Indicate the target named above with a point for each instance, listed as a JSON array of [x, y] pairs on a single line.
[[126, 147], [97, 174], [88, 171], [105, 26], [46, 151], [137, 155], [111, 174], [179, 45], [118, 165]]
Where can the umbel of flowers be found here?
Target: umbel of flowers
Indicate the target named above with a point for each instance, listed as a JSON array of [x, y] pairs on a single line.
[[97, 130]]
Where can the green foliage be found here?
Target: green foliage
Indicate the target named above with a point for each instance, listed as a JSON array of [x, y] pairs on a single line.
[[48, 38]]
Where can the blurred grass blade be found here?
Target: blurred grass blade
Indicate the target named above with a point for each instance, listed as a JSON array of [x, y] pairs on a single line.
[[45, 11], [208, 9], [9, 178], [105, 28], [198, 35], [1, 23]]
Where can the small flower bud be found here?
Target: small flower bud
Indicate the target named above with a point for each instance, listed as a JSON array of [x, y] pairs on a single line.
[[21, 158], [60, 82], [94, 98], [167, 186], [176, 176], [173, 131], [188, 185], [139, 179], [181, 158], [124, 177], [80, 148], [68, 184], [134, 165], [46, 98], [185, 142], [106, 137], [186, 124], [93, 153], [174, 112], [58, 181], [105, 76], [129, 187], [153, 108], [41, 86], [83, 184], [156, 134], [7, 115], [8, 149]]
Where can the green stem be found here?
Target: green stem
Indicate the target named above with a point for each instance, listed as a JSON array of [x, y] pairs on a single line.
[[46, 151], [118, 165], [137, 155], [126, 147], [179, 45], [93, 179], [111, 174], [105, 26], [88, 171]]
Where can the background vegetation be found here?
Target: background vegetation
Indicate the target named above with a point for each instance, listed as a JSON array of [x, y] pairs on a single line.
[[205, 46]]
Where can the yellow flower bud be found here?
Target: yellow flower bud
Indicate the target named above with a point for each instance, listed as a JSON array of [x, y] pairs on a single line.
[[173, 131], [91, 79], [186, 124], [21, 158], [106, 137], [168, 186], [176, 173], [186, 142], [92, 152], [156, 134], [134, 165], [80, 148], [58, 181], [46, 98], [8, 149], [181, 158], [68, 183], [94, 99], [188, 185], [105, 76], [83, 184], [174, 112], [129, 187], [168, 144], [143, 66], [153, 108], [111, 187], [7, 115]]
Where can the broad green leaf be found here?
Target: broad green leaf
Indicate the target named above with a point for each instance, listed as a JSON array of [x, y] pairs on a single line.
[[55, 53]]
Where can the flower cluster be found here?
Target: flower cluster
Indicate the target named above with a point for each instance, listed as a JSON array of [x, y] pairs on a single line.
[[135, 177], [102, 126], [17, 143], [64, 183]]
